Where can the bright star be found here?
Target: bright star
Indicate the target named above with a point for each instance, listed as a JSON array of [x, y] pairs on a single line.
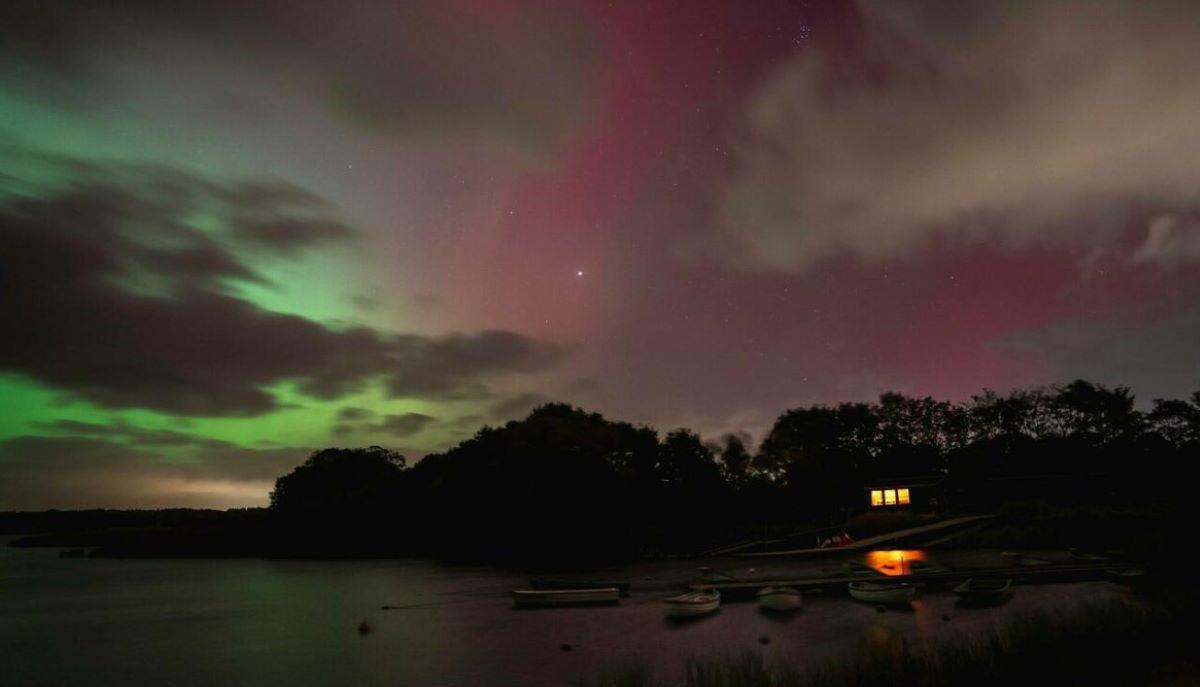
[[578, 273]]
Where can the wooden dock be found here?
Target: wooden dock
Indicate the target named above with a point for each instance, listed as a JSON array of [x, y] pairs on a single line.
[[1040, 574], [943, 526]]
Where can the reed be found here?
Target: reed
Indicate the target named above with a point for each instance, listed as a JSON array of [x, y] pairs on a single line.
[[1113, 643]]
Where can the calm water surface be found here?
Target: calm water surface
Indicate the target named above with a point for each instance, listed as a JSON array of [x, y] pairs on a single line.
[[260, 622]]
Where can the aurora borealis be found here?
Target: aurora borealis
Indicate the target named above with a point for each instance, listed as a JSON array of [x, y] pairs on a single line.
[[231, 233]]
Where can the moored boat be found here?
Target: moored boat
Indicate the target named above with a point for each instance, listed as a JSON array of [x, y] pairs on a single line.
[[565, 597], [983, 591], [1129, 577], [779, 599], [882, 592], [692, 604], [549, 583]]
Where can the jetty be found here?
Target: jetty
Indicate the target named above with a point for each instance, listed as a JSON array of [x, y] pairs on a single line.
[[837, 584], [946, 528]]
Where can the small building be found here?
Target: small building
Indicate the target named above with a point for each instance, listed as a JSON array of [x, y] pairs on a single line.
[[923, 493]]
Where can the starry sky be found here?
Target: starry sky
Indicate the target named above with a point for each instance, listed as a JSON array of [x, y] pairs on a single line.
[[231, 233]]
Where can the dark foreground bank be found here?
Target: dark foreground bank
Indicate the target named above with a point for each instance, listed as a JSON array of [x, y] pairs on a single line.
[[1145, 641]]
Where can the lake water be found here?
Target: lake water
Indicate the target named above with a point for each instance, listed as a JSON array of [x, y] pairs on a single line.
[[262, 622]]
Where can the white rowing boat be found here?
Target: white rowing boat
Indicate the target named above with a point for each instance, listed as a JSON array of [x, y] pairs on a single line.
[[975, 591], [779, 599], [880, 592], [565, 597], [691, 604]]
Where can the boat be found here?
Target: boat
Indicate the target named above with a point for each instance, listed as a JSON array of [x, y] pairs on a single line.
[[779, 599], [1024, 560], [565, 597], [1128, 577], [692, 604], [983, 591], [881, 592], [549, 583]]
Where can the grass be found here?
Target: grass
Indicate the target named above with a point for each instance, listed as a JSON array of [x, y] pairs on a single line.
[[1114, 643]]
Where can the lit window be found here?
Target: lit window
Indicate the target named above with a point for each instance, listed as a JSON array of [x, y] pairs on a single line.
[[876, 497], [889, 497], [902, 496]]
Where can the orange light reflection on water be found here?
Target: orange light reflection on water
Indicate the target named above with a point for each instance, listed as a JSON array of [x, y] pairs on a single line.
[[894, 562]]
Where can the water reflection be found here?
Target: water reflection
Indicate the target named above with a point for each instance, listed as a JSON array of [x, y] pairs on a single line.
[[895, 562]]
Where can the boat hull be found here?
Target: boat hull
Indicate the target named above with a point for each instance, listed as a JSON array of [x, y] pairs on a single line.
[[691, 605], [565, 597], [888, 594], [1129, 577], [780, 599], [548, 583], [980, 593]]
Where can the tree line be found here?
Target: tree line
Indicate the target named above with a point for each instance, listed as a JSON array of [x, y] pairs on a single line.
[[568, 486]]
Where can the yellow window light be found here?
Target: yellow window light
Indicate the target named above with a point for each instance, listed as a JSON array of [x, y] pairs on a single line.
[[902, 496], [889, 497], [876, 497]]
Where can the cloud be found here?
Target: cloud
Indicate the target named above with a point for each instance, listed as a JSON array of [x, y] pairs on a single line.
[[516, 406], [1157, 360], [82, 472], [405, 425], [112, 295], [522, 71], [132, 434], [449, 367], [355, 421], [1014, 122], [354, 413], [1171, 239]]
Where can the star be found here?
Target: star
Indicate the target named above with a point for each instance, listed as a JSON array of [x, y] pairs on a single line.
[[578, 273]]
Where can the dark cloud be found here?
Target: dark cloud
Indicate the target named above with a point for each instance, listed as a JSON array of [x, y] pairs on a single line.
[[1157, 359], [132, 434], [516, 406], [406, 424], [290, 233], [449, 367], [1005, 121], [524, 72], [110, 295], [88, 472], [467, 423], [354, 413]]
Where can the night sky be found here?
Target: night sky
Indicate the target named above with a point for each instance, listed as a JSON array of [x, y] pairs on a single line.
[[232, 232]]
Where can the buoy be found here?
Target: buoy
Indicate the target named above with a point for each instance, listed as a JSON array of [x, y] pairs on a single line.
[[364, 628]]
